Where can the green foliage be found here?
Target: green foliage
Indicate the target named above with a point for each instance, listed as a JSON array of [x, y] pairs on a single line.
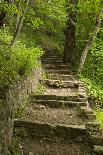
[[39, 90], [17, 62], [99, 115], [21, 107], [93, 89], [15, 147], [93, 70], [95, 61], [10, 8], [92, 73], [89, 6]]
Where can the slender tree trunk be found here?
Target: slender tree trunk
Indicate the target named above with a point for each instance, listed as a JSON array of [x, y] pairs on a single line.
[[17, 32], [2, 18], [90, 43], [18, 27], [18, 16], [3, 15], [70, 44], [17, 20]]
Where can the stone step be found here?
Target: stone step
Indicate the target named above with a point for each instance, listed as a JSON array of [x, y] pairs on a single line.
[[54, 147], [57, 104], [86, 110], [52, 61], [58, 71], [97, 140], [91, 117], [54, 66], [51, 56], [59, 83], [98, 150], [55, 97], [93, 128], [61, 77], [46, 130], [93, 124], [87, 115]]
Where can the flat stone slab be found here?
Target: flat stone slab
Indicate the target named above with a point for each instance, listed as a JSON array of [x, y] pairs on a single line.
[[52, 61], [97, 140], [59, 97], [98, 150], [59, 71], [61, 91], [42, 130], [58, 83], [60, 76], [57, 104], [86, 109], [54, 66]]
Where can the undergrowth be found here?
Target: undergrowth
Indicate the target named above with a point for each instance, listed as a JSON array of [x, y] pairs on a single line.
[[99, 115], [92, 76], [17, 62]]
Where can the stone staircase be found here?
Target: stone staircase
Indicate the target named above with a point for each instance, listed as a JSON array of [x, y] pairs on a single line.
[[59, 121]]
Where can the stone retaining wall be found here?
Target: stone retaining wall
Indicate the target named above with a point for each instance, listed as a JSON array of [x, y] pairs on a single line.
[[9, 100]]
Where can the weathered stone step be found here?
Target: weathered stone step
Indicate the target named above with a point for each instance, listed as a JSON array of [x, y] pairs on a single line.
[[55, 97], [54, 66], [61, 77], [58, 83], [61, 91], [52, 61], [51, 56], [93, 124], [86, 110], [46, 130], [93, 127], [98, 150], [87, 113], [58, 71], [54, 146], [91, 117], [97, 140], [54, 116], [57, 104]]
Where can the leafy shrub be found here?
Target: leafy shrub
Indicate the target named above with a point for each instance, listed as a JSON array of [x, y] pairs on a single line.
[[16, 62], [94, 90], [94, 64], [99, 115], [92, 74]]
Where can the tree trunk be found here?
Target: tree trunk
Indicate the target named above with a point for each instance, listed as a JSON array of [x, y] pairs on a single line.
[[90, 43], [70, 44], [3, 15], [2, 18], [17, 32], [17, 20], [18, 27]]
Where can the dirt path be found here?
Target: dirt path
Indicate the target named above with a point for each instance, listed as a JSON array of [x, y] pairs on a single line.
[[59, 121]]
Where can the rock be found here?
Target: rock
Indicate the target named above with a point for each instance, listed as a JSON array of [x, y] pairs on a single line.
[[31, 153], [98, 149]]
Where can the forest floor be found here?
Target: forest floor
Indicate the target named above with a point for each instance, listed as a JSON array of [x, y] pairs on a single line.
[[58, 120]]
